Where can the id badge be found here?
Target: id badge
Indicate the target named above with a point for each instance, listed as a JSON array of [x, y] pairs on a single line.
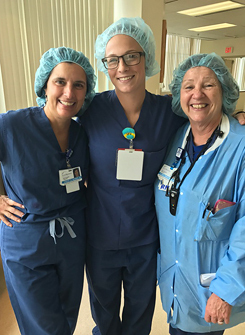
[[70, 178], [130, 164], [164, 176]]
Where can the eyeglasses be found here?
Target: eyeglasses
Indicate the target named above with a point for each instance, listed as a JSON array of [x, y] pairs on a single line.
[[130, 59]]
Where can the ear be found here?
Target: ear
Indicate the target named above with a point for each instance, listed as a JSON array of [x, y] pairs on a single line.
[[46, 97]]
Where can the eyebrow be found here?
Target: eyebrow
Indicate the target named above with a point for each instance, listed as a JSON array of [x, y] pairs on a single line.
[[190, 79], [76, 81], [187, 80], [125, 53]]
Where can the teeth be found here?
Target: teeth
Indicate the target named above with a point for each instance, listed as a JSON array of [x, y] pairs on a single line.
[[125, 78], [199, 106], [67, 103]]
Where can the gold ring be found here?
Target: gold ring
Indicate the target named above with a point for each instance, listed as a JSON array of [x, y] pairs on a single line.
[[221, 322]]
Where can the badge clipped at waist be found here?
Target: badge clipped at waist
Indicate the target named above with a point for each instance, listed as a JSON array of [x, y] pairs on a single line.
[[70, 178], [129, 161]]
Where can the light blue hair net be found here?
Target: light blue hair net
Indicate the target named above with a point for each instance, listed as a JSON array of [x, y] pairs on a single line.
[[138, 30], [53, 57], [230, 89]]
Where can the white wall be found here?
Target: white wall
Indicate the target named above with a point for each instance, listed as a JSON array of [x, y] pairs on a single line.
[[127, 8]]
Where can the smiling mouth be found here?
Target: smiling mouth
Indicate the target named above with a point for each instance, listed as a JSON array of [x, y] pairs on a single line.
[[125, 78], [199, 106], [66, 103]]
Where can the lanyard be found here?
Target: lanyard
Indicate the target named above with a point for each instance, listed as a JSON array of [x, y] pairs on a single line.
[[174, 191], [69, 152]]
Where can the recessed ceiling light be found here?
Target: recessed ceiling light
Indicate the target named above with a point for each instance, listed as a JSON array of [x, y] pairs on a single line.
[[213, 27], [214, 8]]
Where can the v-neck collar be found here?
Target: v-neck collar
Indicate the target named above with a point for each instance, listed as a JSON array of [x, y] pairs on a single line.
[[73, 133], [120, 114]]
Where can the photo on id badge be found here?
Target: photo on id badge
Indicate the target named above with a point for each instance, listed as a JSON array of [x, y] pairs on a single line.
[[70, 178]]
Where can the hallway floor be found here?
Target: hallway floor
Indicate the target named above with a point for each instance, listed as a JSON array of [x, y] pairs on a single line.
[[8, 325]]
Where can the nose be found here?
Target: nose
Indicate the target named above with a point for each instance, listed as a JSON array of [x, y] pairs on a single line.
[[122, 66], [68, 90], [197, 92]]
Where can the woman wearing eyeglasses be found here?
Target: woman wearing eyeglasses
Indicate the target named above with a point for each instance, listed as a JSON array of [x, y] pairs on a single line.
[[121, 219]]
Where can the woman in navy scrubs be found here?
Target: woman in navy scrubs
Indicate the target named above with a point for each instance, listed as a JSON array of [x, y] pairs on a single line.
[[44, 253], [121, 221]]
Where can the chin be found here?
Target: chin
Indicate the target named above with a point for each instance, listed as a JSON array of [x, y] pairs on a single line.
[[67, 114]]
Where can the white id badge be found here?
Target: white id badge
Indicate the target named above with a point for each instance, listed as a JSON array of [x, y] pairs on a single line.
[[164, 176], [70, 179], [129, 164]]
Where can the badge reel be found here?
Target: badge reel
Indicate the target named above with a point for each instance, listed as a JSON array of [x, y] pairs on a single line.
[[129, 161]]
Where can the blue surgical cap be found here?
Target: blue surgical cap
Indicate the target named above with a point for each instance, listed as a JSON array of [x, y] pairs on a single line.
[[230, 89], [138, 30], [53, 57]]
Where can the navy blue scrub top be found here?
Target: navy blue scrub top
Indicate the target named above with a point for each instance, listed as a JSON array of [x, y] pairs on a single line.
[[31, 159], [121, 214]]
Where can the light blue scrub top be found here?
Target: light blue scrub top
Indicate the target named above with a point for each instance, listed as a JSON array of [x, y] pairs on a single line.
[[193, 243]]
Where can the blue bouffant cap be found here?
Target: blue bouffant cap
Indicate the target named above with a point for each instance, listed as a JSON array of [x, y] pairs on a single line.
[[53, 57], [138, 30], [230, 89]]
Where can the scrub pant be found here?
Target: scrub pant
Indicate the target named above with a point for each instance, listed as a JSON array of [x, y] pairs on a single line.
[[107, 270], [44, 279], [176, 331]]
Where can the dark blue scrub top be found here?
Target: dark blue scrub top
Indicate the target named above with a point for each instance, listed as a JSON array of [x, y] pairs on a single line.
[[121, 214], [31, 159]]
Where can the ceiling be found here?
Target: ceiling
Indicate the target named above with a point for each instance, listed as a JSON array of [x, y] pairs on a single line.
[[179, 24]]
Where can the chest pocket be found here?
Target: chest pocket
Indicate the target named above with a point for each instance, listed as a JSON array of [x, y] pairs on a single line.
[[152, 164], [215, 227]]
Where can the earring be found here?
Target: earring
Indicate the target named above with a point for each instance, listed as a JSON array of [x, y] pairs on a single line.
[[46, 99]]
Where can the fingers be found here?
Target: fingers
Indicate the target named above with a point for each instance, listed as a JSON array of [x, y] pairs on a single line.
[[5, 220], [217, 310], [227, 315], [11, 202], [241, 118], [13, 213], [7, 211], [211, 318]]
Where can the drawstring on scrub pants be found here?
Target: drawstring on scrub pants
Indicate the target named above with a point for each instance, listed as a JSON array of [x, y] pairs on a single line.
[[64, 222]]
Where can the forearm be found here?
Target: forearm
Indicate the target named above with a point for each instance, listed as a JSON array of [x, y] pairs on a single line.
[[2, 189]]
